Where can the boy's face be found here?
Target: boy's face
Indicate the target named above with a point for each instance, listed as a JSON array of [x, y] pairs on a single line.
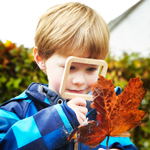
[[80, 77]]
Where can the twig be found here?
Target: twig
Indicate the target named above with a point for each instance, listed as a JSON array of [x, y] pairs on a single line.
[[107, 142]]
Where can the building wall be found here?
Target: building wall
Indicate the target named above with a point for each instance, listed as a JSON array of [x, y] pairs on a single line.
[[132, 34]]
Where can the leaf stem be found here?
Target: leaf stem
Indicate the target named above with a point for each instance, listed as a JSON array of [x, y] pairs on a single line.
[[107, 142]]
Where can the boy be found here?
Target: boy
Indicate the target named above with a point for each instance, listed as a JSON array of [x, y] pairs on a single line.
[[40, 118]]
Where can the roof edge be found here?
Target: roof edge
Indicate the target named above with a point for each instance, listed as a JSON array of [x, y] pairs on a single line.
[[113, 23]]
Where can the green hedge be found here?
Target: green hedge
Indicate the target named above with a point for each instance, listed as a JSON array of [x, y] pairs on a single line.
[[18, 69]]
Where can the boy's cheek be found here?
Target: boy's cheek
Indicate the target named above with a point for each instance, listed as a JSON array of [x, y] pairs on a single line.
[[68, 84], [92, 80], [55, 84]]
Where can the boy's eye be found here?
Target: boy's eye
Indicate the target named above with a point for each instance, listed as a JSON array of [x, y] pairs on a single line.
[[91, 69], [72, 68]]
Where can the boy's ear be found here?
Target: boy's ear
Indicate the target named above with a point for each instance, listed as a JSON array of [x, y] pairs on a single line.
[[38, 59]]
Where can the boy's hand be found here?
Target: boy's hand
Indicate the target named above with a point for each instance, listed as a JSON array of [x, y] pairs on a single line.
[[78, 105]]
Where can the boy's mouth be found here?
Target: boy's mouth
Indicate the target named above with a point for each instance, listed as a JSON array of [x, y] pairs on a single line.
[[75, 91]]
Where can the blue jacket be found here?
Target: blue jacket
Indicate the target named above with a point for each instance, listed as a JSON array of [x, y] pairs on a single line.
[[39, 119]]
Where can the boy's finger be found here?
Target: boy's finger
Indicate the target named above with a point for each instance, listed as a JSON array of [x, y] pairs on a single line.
[[83, 110], [81, 117], [78, 101]]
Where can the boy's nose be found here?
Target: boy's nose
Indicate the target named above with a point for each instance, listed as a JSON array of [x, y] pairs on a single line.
[[79, 79]]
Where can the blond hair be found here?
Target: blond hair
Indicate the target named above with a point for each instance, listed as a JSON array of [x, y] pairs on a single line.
[[69, 28]]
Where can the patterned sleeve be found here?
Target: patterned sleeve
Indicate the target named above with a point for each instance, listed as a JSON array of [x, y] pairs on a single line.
[[46, 129]]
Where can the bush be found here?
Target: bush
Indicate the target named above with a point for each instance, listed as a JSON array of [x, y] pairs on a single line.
[[18, 69]]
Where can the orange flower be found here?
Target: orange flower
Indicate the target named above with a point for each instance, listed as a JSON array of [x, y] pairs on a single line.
[[9, 45]]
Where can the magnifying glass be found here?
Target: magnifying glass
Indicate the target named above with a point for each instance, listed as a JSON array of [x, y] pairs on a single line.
[[103, 70]]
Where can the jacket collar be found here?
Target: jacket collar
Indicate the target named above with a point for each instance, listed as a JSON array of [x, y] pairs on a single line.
[[42, 94]]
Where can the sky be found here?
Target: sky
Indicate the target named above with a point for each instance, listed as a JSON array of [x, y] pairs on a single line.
[[18, 18]]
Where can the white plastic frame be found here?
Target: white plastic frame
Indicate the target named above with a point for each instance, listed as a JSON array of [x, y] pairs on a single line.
[[67, 95]]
